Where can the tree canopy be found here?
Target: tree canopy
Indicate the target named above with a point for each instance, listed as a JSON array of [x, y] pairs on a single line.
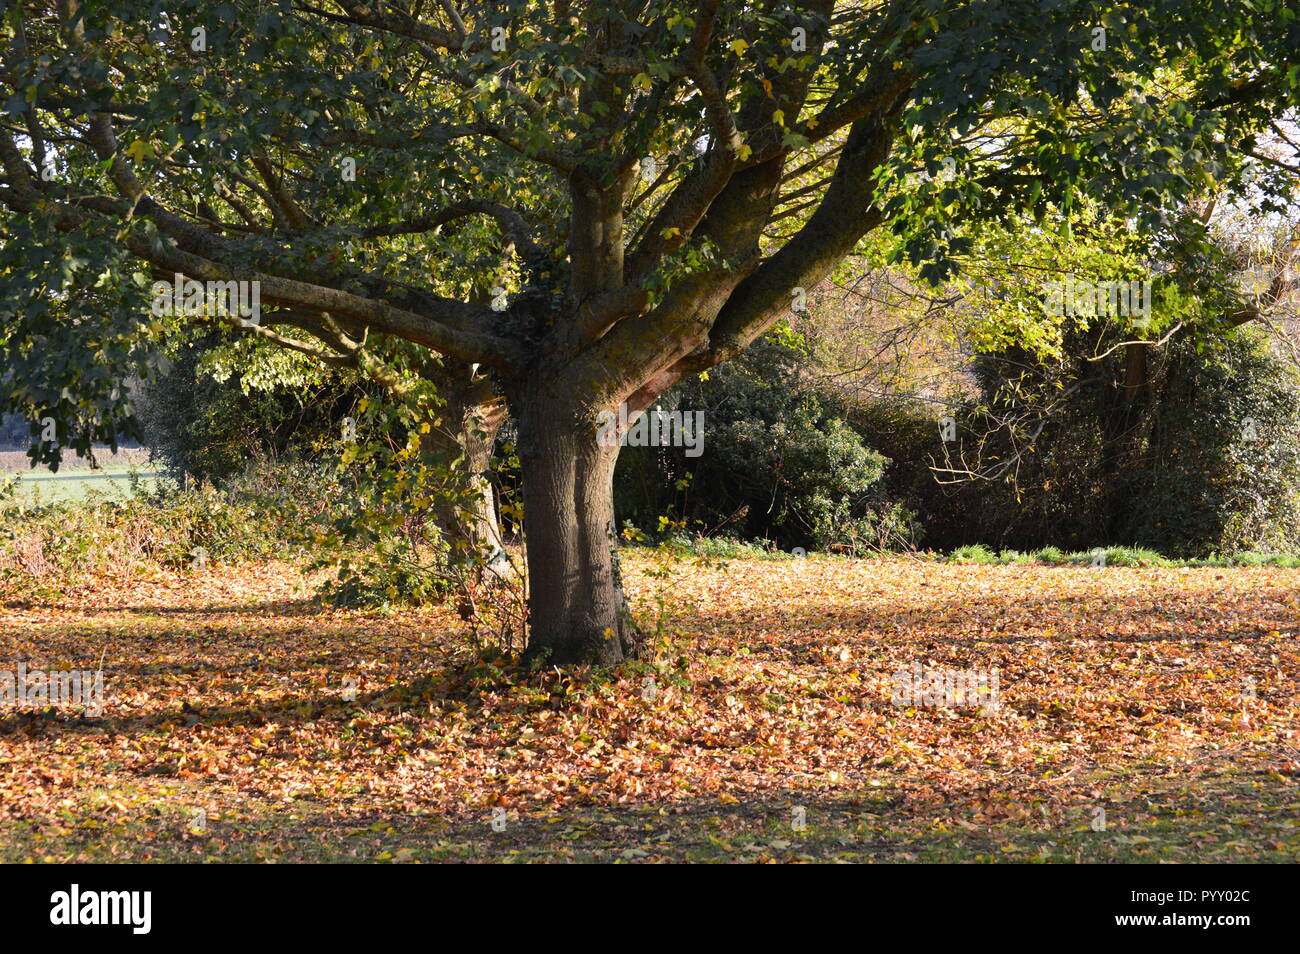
[[568, 205]]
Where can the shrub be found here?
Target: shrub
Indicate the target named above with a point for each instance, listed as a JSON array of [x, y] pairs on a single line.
[[1220, 461], [213, 428], [779, 464], [972, 553], [265, 512], [1173, 471]]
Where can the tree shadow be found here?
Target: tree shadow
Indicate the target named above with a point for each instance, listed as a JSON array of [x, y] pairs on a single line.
[[1146, 819], [307, 606], [810, 624], [794, 635]]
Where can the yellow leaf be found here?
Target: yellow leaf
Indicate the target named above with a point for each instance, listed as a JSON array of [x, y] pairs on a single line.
[[743, 151], [139, 150], [739, 47]]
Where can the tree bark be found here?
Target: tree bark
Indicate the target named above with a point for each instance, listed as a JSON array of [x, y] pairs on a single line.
[[577, 609], [468, 432], [1135, 373]]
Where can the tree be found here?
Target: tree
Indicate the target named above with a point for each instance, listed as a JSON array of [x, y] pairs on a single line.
[[690, 169]]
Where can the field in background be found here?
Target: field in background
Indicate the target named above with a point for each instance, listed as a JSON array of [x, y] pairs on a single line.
[[1146, 714], [17, 460], [75, 479]]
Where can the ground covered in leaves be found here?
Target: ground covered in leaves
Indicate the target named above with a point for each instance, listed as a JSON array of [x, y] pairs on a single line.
[[1145, 715]]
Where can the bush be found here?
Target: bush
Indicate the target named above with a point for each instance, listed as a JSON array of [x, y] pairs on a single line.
[[1173, 471], [213, 429], [973, 553], [779, 464], [64, 544], [266, 512], [1220, 461]]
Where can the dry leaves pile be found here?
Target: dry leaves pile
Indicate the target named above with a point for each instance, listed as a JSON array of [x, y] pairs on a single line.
[[1166, 697]]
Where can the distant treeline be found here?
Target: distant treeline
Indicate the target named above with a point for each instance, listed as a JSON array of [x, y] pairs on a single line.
[[15, 434]]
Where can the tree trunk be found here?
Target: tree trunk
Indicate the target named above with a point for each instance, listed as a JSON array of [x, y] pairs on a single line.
[[577, 610], [468, 432], [1135, 373]]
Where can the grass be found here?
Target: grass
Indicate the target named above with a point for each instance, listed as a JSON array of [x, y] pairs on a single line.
[[725, 548], [118, 476], [39, 488], [1230, 818], [1115, 556]]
